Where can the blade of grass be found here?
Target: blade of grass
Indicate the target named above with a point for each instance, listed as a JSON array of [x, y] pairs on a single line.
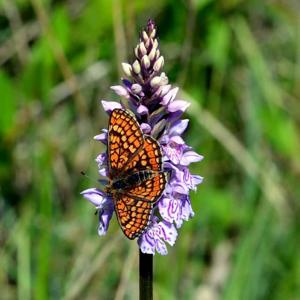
[[60, 57], [265, 179], [24, 256], [250, 260], [127, 267], [76, 287]]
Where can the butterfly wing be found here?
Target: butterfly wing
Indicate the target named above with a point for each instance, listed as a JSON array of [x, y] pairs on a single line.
[[130, 152], [133, 214], [148, 158], [125, 138], [150, 189]]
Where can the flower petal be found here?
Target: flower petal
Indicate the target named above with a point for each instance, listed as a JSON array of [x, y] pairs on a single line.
[[153, 239], [171, 210], [169, 97], [191, 181], [190, 157], [103, 172], [162, 90], [169, 231], [178, 105], [178, 127], [104, 218], [109, 106], [180, 188], [177, 139], [173, 151], [146, 244], [95, 196], [187, 211], [142, 110], [196, 179], [164, 139], [102, 137], [161, 247], [120, 90], [146, 128], [101, 159], [164, 205]]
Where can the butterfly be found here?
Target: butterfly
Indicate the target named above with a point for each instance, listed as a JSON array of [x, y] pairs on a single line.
[[136, 178]]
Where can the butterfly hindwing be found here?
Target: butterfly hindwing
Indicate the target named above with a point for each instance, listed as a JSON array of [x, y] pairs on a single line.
[[150, 189], [133, 214]]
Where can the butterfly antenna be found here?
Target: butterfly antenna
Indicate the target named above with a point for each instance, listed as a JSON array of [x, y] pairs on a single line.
[[85, 175], [104, 182]]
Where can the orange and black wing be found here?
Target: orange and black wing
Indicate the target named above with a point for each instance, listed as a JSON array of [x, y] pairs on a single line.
[[148, 158], [125, 139], [133, 214], [151, 189]]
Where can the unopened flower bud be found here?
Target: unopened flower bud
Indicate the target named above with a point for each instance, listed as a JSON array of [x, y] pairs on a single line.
[[136, 67], [157, 54], [155, 81], [164, 79], [143, 49], [147, 43], [145, 36], [127, 69], [146, 61], [152, 53], [120, 90], [158, 64], [136, 88], [136, 51], [153, 33]]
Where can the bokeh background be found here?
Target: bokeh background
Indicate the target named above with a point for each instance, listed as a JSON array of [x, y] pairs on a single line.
[[237, 61]]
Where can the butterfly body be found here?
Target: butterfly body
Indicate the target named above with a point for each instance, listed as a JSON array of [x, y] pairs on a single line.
[[132, 180], [136, 176]]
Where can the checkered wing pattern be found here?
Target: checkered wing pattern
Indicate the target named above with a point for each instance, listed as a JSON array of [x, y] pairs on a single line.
[[132, 153], [150, 189], [125, 139], [133, 215], [148, 158]]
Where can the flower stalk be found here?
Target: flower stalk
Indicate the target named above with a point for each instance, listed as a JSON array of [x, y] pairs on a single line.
[[146, 92], [146, 276]]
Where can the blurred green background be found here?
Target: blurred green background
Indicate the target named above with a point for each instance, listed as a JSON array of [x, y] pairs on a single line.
[[237, 61]]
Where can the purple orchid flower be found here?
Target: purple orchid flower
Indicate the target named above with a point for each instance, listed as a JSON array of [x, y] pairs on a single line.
[[153, 100], [156, 235], [103, 204]]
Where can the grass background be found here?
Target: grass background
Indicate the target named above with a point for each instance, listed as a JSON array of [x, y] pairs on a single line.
[[237, 61]]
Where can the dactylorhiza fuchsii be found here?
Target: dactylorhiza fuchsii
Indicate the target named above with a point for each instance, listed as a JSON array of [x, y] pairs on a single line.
[[153, 101]]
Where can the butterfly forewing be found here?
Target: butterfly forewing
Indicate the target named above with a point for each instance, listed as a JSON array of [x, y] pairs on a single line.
[[148, 158], [125, 138]]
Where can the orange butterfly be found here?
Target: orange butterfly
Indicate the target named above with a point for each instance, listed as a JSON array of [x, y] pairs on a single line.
[[136, 179]]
